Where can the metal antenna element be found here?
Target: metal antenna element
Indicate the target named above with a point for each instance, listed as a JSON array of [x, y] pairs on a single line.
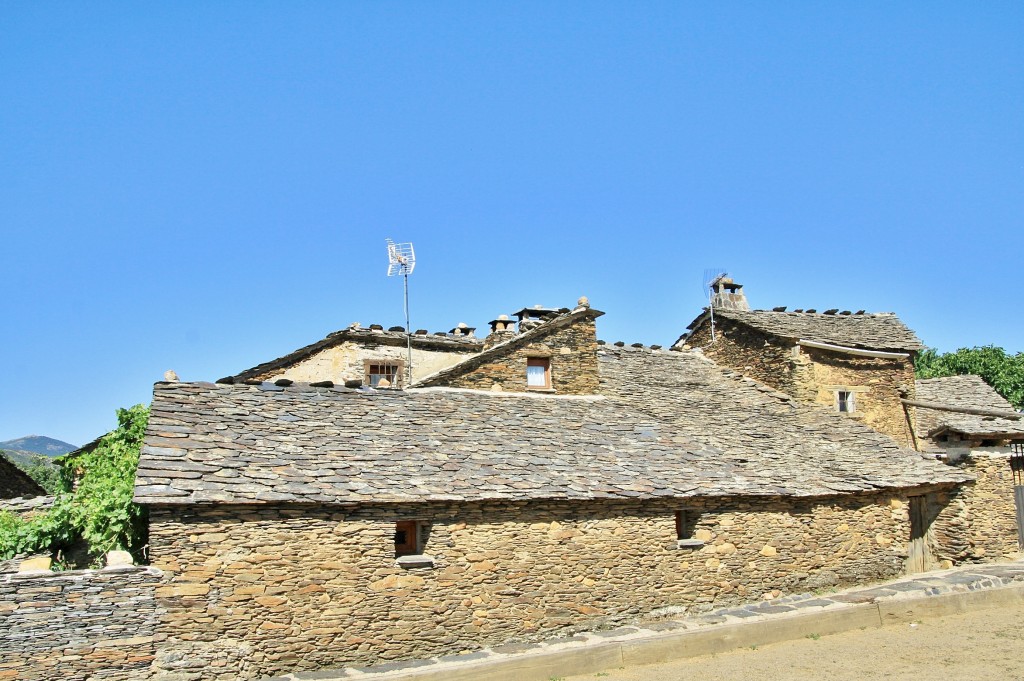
[[402, 260], [711, 276]]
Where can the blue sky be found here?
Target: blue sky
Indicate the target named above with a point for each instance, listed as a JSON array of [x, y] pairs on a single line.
[[206, 186]]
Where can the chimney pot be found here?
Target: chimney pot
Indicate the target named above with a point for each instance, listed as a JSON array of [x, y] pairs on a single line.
[[728, 295]]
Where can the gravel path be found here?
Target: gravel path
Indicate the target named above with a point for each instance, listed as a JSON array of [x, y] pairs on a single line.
[[982, 645]]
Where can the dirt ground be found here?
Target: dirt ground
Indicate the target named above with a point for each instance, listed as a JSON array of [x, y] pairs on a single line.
[[983, 645]]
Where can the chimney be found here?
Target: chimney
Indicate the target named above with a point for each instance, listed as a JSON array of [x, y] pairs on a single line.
[[530, 317], [462, 330], [502, 329], [728, 295]]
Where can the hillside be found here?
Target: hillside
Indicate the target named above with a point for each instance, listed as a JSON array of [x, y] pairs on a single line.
[[37, 444]]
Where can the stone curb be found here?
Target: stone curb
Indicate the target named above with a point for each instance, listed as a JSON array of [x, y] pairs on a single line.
[[804, 615]]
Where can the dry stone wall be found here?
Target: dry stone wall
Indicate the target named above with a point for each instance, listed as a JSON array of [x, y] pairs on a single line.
[[752, 353], [85, 624], [572, 352], [876, 382], [305, 588], [977, 523]]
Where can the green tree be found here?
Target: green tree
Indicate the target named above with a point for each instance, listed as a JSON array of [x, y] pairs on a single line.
[[96, 509], [1004, 372], [44, 471]]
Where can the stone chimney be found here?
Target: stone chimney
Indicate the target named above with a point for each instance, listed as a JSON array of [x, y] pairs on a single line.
[[530, 317], [502, 329], [463, 330], [728, 295]]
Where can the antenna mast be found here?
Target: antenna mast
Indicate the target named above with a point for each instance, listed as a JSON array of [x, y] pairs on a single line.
[[402, 260], [711, 276]]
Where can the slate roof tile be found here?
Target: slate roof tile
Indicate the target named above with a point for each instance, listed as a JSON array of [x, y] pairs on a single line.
[[879, 331], [670, 425], [964, 391]]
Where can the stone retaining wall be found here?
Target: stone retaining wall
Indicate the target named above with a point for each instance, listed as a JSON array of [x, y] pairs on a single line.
[[306, 588], [78, 625]]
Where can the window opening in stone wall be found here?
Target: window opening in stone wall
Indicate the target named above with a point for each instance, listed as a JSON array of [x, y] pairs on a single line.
[[538, 372], [376, 372], [845, 401], [686, 525], [406, 538]]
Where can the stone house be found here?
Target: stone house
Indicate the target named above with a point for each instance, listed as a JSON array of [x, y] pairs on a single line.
[[857, 364], [966, 423], [548, 483]]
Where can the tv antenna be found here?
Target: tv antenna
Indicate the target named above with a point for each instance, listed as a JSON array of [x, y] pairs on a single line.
[[402, 261], [711, 276]]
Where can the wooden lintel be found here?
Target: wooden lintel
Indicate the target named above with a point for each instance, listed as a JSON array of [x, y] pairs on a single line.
[[963, 410]]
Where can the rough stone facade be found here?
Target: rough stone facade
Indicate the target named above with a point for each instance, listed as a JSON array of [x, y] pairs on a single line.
[[78, 625], [751, 352], [347, 361], [305, 588], [571, 351], [977, 522], [813, 375], [878, 384]]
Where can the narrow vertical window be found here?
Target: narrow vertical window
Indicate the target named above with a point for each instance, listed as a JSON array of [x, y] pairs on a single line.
[[845, 401], [686, 525], [406, 538], [538, 372]]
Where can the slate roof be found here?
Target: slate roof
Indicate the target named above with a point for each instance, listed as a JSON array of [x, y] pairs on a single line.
[[14, 482], [964, 391], [766, 438], [878, 331], [672, 425], [366, 336]]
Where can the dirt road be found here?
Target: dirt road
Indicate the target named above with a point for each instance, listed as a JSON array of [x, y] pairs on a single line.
[[983, 645]]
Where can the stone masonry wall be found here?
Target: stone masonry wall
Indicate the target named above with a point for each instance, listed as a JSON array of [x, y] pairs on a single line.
[[345, 361], [85, 624], [978, 523], [305, 588], [812, 375], [572, 352], [750, 352], [876, 382]]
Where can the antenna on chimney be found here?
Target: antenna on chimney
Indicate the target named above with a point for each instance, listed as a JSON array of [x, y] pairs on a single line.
[[710, 278], [402, 260]]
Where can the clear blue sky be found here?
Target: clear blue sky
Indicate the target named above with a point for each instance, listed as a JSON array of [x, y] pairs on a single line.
[[206, 186]]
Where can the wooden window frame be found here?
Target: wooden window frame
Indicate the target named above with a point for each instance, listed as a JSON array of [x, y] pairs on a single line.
[[541, 362], [398, 364], [409, 530]]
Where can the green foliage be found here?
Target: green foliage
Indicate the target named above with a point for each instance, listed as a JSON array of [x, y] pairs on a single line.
[[43, 470], [1005, 373], [98, 511]]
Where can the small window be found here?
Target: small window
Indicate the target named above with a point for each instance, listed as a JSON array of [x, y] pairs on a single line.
[[406, 538], [686, 524], [845, 402], [538, 372], [383, 371]]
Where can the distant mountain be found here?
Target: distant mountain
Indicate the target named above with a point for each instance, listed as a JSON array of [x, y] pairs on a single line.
[[38, 444]]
